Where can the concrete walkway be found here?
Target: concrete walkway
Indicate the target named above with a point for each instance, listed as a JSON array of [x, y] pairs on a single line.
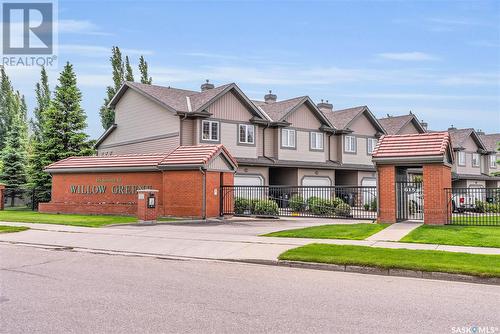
[[225, 241], [394, 232]]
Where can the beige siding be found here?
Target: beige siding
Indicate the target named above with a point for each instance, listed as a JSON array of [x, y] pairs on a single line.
[[303, 172], [361, 156], [250, 170], [270, 142], [220, 164], [363, 126], [229, 137], [165, 145], [302, 152], [138, 117], [303, 117], [230, 107], [408, 129], [187, 132], [260, 147], [334, 152], [470, 147]]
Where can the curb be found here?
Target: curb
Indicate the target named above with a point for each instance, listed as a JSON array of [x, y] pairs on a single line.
[[379, 271]]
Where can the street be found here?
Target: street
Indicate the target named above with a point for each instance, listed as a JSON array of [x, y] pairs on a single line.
[[59, 291]]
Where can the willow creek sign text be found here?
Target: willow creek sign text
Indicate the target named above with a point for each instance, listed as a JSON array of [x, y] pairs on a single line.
[[103, 188]]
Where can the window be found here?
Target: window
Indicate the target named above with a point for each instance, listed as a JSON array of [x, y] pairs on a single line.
[[475, 160], [461, 158], [288, 138], [372, 142], [246, 134], [210, 130], [493, 161], [316, 141], [350, 144]]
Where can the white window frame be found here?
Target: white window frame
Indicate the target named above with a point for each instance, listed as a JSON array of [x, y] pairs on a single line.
[[493, 161], [476, 160], [347, 144], [317, 141], [210, 130], [288, 138], [461, 156], [247, 129], [370, 146]]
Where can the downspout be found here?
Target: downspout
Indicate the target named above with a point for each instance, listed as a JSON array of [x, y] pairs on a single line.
[[204, 194]]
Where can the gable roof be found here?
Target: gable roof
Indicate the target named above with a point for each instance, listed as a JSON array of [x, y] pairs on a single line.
[[394, 124], [184, 101], [342, 119], [458, 137], [423, 146], [491, 141], [278, 111], [183, 157]]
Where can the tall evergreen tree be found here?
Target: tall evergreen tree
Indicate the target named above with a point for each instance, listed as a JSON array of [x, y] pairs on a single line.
[[143, 68], [108, 114], [129, 75], [8, 105], [42, 93], [14, 155]]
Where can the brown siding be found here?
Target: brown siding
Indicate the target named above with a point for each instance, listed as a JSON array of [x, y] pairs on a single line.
[[229, 107], [187, 132], [408, 129], [303, 117]]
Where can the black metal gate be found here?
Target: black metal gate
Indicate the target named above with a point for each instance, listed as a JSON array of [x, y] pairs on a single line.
[[410, 200], [473, 206], [300, 201]]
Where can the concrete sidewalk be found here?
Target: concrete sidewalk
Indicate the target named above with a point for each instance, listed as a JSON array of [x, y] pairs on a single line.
[[233, 241], [394, 232]]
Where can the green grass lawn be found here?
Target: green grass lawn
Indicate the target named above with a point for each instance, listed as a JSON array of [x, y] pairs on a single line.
[[28, 216], [339, 231], [481, 236], [425, 260], [493, 220], [10, 229]]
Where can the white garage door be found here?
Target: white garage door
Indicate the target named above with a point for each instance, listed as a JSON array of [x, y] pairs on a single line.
[[248, 180], [314, 181], [368, 195]]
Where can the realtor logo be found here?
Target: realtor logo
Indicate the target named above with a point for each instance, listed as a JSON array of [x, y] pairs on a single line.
[[28, 29]]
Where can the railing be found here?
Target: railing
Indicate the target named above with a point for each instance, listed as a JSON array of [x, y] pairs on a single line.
[[473, 206], [24, 198], [300, 201]]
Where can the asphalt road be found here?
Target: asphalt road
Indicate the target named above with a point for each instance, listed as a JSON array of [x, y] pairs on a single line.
[[49, 291]]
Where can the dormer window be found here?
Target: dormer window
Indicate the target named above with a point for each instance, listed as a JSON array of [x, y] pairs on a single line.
[[350, 144], [371, 142], [246, 134], [475, 160], [288, 138], [461, 158], [317, 141], [493, 161], [210, 130]]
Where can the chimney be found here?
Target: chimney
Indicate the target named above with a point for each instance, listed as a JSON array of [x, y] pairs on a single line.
[[207, 86], [270, 98], [452, 128], [480, 132], [424, 124], [325, 106]]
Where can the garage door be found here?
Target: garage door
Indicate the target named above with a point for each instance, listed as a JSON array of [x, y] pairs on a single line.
[[368, 195], [248, 180], [315, 181]]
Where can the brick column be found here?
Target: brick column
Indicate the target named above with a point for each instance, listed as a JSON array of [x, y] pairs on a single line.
[[386, 194], [2, 196], [147, 210], [437, 177]]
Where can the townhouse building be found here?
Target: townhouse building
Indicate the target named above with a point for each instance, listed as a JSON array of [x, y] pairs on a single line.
[[290, 142]]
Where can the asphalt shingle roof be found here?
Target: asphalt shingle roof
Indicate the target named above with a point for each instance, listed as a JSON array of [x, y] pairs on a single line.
[[277, 110], [341, 118], [394, 124], [491, 141]]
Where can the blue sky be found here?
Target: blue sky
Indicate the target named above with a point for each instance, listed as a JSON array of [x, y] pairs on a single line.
[[439, 59]]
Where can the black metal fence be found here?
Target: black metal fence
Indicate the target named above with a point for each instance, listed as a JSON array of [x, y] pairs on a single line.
[[300, 201], [24, 198], [473, 206]]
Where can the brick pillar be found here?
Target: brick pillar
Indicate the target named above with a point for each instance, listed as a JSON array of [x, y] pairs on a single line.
[[147, 205], [386, 194], [2, 196], [437, 177]]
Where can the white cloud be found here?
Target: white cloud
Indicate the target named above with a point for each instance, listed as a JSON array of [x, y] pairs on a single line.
[[98, 51], [408, 56], [80, 27], [417, 96]]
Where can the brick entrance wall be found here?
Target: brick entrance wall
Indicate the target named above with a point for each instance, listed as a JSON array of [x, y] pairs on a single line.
[[436, 179], [387, 194]]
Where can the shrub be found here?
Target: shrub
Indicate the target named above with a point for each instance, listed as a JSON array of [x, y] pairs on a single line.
[[343, 209], [479, 206], [337, 201], [241, 205], [373, 205], [252, 203], [318, 206], [266, 207], [367, 207], [492, 207], [297, 203]]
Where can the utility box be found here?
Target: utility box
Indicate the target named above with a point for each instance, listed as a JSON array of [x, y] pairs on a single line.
[[147, 206], [2, 196]]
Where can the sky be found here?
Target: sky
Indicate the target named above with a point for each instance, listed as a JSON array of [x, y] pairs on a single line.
[[438, 59]]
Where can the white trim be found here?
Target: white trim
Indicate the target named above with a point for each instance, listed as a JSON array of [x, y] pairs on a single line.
[[247, 128], [210, 130]]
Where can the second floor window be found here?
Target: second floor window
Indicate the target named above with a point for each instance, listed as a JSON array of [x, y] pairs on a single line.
[[350, 144], [493, 161], [372, 142], [461, 158], [316, 141], [210, 130], [288, 138], [246, 134], [475, 160]]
